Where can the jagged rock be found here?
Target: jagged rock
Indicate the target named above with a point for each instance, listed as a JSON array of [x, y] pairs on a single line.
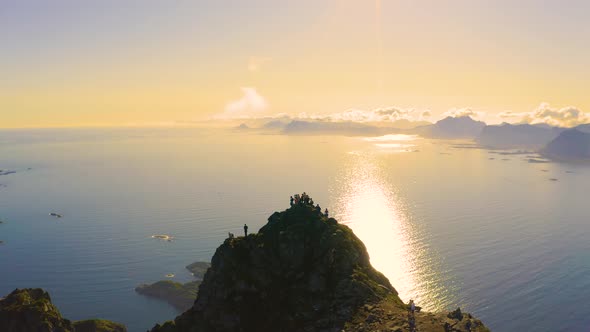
[[31, 310]]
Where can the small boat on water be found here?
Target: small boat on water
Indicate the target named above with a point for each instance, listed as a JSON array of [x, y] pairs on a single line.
[[57, 215]]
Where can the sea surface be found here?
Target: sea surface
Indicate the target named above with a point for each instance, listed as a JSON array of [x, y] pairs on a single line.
[[449, 224]]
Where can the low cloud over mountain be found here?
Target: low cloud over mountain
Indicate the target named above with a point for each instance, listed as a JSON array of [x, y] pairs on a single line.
[[558, 117]]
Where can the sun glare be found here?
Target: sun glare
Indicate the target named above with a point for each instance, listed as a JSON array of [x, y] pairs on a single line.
[[369, 209]]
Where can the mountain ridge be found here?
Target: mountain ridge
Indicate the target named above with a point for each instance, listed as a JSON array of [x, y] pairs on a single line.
[[302, 271]]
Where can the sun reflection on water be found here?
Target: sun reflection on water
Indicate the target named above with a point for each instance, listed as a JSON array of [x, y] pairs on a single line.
[[374, 210]]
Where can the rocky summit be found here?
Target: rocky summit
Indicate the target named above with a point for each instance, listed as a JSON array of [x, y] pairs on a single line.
[[302, 271], [31, 310]]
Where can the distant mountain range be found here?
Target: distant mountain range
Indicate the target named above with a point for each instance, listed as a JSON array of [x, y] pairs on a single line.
[[452, 128], [554, 142], [448, 128], [322, 127], [506, 136]]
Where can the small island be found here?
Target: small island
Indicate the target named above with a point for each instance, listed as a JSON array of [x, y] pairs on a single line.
[[6, 172], [180, 296], [198, 269]]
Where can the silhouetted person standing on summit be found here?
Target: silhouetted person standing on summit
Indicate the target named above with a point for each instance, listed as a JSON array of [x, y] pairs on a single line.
[[245, 230]]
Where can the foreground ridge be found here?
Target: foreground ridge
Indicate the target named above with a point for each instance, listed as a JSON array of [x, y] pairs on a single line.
[[26, 310]]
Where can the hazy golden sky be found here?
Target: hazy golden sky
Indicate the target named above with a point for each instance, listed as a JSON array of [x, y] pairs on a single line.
[[108, 62]]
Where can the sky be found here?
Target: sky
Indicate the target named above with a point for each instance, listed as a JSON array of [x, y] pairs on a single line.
[[145, 62]]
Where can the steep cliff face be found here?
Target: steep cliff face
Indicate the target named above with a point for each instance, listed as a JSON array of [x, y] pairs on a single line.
[[301, 272], [31, 310]]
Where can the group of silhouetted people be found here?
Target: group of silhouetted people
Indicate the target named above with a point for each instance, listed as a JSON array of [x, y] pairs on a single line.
[[294, 200], [304, 199]]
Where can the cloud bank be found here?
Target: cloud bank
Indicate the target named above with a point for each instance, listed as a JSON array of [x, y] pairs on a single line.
[[563, 117], [249, 105], [252, 106], [388, 114]]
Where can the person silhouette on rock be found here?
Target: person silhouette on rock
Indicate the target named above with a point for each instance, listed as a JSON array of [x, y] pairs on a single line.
[[245, 230]]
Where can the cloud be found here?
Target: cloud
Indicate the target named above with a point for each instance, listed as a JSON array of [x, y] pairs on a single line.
[[564, 117], [460, 112], [388, 114], [250, 104], [255, 63], [425, 114]]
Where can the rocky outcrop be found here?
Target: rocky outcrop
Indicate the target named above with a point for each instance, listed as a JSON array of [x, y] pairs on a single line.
[[301, 272], [386, 316], [28, 310]]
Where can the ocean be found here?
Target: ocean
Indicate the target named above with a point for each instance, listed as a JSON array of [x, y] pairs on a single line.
[[449, 224]]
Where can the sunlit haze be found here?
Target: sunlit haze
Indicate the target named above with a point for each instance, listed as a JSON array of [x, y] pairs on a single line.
[[147, 63]]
